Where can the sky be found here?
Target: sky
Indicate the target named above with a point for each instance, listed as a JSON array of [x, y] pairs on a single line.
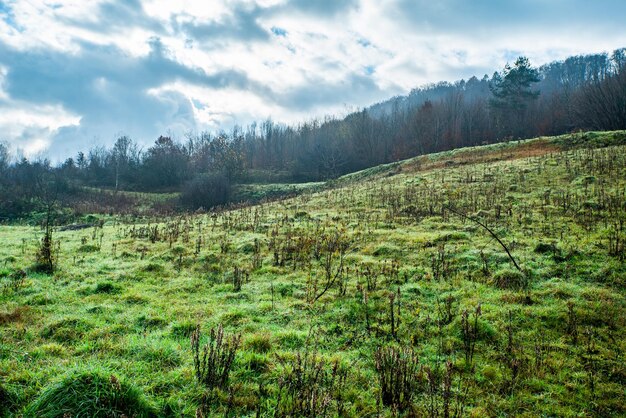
[[75, 74]]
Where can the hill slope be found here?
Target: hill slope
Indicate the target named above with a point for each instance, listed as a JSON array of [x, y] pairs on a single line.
[[336, 294]]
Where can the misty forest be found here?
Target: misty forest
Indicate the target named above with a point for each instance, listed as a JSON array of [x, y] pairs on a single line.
[[458, 251]]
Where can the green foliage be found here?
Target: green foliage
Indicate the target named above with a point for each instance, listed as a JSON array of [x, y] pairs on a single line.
[[93, 393], [153, 268], [260, 343], [183, 329], [512, 89]]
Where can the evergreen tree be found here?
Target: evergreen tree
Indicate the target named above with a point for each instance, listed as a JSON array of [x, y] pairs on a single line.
[[512, 94]]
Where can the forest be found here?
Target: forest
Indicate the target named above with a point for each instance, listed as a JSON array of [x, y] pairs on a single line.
[[203, 170]]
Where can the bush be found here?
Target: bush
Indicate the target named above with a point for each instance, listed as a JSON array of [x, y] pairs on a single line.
[[206, 191], [309, 385], [399, 374], [214, 361], [90, 394]]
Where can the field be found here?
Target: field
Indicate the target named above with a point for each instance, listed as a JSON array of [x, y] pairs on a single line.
[[479, 282]]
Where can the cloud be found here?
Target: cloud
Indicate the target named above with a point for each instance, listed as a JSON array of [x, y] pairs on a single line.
[[318, 94], [322, 7], [110, 90], [241, 23], [32, 128], [113, 16], [484, 17], [73, 73]]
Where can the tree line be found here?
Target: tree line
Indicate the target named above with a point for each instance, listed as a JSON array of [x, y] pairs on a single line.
[[586, 92]]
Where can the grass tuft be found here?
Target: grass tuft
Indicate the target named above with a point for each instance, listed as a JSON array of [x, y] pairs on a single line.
[[90, 394]]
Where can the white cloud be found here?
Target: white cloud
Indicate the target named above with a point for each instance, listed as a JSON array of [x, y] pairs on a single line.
[[243, 60], [31, 128], [3, 94]]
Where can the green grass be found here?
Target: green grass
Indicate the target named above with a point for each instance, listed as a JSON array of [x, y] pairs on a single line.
[[90, 394], [549, 340]]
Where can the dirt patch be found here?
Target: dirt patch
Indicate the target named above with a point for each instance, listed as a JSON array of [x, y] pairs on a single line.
[[478, 156]]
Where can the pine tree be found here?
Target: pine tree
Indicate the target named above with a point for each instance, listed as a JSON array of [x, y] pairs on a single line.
[[512, 95]]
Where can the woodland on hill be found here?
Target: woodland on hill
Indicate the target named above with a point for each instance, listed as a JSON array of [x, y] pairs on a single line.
[[580, 93]]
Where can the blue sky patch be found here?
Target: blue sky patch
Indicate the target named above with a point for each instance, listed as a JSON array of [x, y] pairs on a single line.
[[279, 31]]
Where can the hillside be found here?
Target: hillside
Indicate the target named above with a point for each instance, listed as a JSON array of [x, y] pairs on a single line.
[[484, 281]]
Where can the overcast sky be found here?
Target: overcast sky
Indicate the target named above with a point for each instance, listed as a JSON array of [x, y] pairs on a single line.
[[75, 73]]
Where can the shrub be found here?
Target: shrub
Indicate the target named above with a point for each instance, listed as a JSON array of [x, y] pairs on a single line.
[[399, 374], [46, 257], [213, 363], [90, 394], [309, 385], [206, 191]]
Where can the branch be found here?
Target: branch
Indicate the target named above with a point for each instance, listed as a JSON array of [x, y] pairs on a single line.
[[493, 234]]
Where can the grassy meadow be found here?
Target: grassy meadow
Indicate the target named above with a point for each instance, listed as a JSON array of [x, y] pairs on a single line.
[[388, 292]]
